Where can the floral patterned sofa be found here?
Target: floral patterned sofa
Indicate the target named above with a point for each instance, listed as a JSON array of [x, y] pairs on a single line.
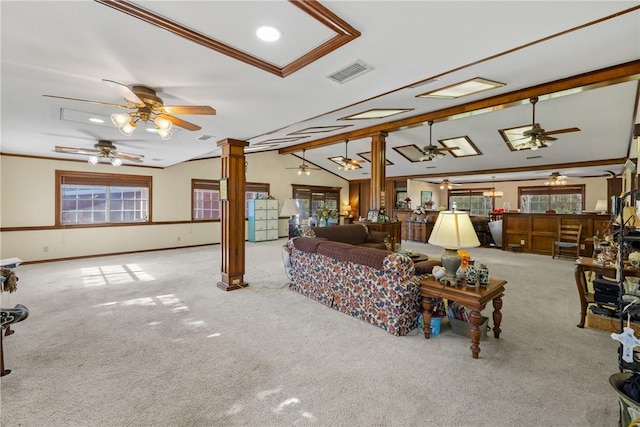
[[374, 285]]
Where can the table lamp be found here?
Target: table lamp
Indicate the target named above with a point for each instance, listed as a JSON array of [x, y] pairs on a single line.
[[629, 218], [453, 230], [290, 208], [601, 206]]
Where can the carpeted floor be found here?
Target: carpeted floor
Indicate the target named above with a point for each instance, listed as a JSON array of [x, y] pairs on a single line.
[[149, 340]]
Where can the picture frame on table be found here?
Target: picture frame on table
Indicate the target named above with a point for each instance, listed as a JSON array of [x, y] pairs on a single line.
[[372, 215]]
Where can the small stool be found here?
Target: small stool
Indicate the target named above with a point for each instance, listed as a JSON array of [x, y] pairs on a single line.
[[515, 247]]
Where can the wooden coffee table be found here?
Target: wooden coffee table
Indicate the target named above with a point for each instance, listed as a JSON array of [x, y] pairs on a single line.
[[474, 299]]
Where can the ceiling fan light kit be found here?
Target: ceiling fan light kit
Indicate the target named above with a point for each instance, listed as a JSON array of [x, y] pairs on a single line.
[[432, 152], [148, 107]]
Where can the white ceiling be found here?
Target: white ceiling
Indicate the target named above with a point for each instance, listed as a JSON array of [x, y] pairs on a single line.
[[67, 48]]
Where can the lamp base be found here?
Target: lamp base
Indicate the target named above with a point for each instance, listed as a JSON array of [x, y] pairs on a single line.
[[451, 262]]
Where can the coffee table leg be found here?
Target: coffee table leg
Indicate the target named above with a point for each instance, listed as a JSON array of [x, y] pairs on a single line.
[[497, 316], [476, 321], [427, 309]]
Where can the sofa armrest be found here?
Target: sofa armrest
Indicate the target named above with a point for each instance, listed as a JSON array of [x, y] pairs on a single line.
[[377, 236]]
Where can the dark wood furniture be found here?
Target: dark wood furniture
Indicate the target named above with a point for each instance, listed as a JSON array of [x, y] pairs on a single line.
[[585, 265], [539, 231], [393, 228], [568, 241], [475, 299]]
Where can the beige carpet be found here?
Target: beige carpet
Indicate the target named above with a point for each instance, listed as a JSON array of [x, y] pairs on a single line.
[[149, 340]]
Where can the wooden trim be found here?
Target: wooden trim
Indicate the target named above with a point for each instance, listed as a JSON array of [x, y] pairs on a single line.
[[344, 34], [592, 80]]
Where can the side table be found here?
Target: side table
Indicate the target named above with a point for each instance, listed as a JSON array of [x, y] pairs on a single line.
[[474, 299]]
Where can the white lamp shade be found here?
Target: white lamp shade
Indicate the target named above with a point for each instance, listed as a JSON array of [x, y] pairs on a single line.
[[120, 120], [629, 217], [454, 230], [162, 123], [289, 208], [601, 206]]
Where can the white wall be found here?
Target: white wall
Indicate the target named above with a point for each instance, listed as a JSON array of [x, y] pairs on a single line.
[[27, 202]]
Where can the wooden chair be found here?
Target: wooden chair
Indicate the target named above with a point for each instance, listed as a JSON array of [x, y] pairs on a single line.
[[568, 242]]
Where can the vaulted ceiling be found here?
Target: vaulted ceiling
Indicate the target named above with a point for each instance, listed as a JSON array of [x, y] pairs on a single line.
[[580, 59]]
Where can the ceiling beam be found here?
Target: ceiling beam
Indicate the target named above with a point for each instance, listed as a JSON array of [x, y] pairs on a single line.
[[605, 162], [592, 80]]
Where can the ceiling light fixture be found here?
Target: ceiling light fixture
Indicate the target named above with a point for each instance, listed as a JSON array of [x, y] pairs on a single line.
[[556, 179], [461, 89], [127, 123], [493, 193], [268, 33]]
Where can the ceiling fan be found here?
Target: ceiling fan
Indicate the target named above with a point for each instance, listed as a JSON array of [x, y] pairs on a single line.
[[447, 184], [537, 137], [556, 179], [432, 152], [147, 106], [305, 168], [345, 162], [102, 151]]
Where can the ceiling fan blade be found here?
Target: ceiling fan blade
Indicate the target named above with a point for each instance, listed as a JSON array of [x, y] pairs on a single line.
[[90, 102], [547, 138], [124, 92], [558, 131], [179, 122], [137, 158], [74, 150], [189, 109]]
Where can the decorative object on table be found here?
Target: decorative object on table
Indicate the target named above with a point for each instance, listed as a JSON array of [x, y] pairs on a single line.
[[372, 215], [324, 213], [408, 202], [634, 259], [438, 272], [483, 275], [453, 230], [471, 274]]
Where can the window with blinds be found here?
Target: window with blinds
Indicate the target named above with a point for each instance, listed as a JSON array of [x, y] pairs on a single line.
[[471, 200], [558, 198], [205, 199], [84, 198]]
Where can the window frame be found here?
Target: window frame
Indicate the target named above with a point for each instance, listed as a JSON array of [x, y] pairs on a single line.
[[297, 188], [471, 192], [214, 184], [101, 179], [552, 190]]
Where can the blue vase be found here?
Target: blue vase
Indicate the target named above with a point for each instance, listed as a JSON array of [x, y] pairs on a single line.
[[471, 274], [483, 275]]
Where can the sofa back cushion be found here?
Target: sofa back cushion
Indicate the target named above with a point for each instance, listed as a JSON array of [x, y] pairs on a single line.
[[354, 234], [307, 244]]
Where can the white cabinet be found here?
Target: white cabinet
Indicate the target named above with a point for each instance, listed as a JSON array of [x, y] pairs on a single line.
[[263, 220]]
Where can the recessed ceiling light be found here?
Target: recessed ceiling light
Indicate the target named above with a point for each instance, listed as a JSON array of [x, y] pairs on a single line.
[[96, 120], [268, 33], [376, 113], [462, 89]]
